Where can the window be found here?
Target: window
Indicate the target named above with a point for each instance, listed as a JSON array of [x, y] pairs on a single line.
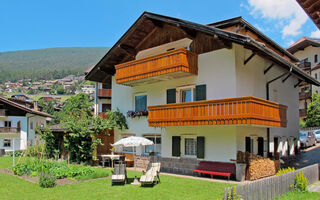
[[105, 86], [31, 125], [6, 143], [141, 102], [315, 58], [106, 107], [153, 148], [185, 94], [190, 146], [7, 123]]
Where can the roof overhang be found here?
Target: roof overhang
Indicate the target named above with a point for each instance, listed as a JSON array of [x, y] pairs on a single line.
[[104, 69], [312, 8], [300, 45]]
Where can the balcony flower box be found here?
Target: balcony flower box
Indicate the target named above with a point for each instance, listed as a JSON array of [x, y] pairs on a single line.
[[140, 113]]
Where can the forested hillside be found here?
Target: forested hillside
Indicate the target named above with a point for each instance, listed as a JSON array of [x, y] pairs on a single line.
[[52, 63]]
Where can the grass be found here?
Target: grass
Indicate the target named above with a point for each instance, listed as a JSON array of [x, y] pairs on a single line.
[[293, 195], [170, 188]]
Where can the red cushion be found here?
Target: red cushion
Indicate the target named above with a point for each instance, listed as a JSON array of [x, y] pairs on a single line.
[[213, 173]]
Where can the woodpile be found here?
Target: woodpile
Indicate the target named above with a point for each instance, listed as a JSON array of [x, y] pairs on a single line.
[[257, 166]]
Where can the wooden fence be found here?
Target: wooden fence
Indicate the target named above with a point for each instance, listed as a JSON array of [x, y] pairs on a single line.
[[274, 186]]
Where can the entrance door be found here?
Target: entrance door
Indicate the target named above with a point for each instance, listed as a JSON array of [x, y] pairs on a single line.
[[275, 145], [260, 146], [248, 145]]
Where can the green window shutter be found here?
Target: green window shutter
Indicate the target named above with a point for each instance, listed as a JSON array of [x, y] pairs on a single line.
[[200, 147], [176, 141], [201, 93], [171, 96]]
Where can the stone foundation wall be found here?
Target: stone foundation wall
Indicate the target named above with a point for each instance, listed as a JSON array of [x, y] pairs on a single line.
[[170, 165]]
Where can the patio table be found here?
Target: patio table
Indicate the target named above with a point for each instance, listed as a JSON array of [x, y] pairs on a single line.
[[110, 157]]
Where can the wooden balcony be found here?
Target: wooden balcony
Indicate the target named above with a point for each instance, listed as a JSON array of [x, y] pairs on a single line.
[[305, 95], [168, 65], [9, 130], [104, 93], [232, 111]]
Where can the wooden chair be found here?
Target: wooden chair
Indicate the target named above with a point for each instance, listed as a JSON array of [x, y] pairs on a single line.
[[119, 174], [152, 175]]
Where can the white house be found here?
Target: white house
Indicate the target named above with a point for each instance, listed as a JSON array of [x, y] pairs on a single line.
[[17, 125], [210, 90]]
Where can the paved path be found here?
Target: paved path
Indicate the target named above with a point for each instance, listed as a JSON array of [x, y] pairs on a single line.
[[307, 157], [314, 187]]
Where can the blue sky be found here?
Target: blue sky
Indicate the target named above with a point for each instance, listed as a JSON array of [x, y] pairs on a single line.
[[35, 24]]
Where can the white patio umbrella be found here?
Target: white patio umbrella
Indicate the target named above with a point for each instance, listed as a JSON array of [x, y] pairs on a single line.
[[133, 141]]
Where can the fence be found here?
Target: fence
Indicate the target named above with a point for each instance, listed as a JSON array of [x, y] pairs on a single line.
[[274, 186]]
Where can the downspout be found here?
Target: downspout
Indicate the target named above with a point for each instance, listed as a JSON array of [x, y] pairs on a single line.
[[268, 98]]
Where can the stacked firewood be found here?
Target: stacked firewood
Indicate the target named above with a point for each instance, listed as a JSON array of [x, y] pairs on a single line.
[[257, 166]]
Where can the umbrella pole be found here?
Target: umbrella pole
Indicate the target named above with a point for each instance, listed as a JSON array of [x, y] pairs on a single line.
[[135, 181]]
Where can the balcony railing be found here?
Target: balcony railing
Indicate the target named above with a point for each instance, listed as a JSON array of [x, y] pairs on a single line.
[[171, 64], [231, 111], [2, 112], [9, 130], [104, 93], [305, 95]]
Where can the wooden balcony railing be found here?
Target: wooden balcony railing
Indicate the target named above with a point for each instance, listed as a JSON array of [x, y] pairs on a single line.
[[305, 95], [9, 130], [104, 93], [171, 64], [231, 111], [2, 112]]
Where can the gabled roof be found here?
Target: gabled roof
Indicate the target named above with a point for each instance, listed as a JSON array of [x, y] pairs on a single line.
[[312, 8], [303, 43], [243, 23], [21, 107], [104, 69]]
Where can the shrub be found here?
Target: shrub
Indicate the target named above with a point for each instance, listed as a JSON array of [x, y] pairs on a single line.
[[285, 170], [47, 180], [300, 182], [232, 195], [16, 153]]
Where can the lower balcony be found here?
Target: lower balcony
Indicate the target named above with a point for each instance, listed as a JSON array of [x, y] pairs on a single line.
[[232, 111], [104, 93]]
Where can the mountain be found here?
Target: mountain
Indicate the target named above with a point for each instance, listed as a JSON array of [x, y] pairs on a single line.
[[51, 63]]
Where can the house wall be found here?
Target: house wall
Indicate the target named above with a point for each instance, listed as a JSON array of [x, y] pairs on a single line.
[[226, 76]]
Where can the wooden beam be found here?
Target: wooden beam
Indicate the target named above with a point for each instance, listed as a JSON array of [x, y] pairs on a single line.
[[191, 34], [146, 37], [268, 68], [130, 50], [157, 23], [249, 58], [300, 81], [286, 77]]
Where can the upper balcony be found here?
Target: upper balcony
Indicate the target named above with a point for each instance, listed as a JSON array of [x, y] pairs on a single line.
[[305, 95], [168, 65], [104, 93], [232, 111], [9, 130]]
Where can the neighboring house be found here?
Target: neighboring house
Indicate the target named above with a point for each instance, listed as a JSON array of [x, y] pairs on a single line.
[[88, 89], [18, 121], [308, 51], [210, 90], [102, 98]]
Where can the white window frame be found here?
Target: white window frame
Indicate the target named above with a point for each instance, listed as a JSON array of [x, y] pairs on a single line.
[[183, 137], [158, 144], [5, 141], [182, 88]]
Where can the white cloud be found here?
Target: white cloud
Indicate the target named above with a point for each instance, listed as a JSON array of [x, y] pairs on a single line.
[[315, 34], [287, 12], [289, 43]]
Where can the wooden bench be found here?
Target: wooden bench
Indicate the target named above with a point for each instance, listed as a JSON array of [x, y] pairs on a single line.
[[216, 168]]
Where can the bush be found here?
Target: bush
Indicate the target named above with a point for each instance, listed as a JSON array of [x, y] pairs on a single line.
[[47, 180], [16, 153], [285, 170], [300, 182]]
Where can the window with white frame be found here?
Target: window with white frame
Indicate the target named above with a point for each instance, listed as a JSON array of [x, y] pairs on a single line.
[[190, 146], [155, 148], [140, 102], [185, 94], [127, 149], [6, 143]]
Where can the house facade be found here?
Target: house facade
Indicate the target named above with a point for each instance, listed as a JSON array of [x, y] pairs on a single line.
[[307, 50], [18, 124], [209, 90]]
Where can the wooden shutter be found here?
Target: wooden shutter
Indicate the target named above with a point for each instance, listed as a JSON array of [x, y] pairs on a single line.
[[201, 92], [200, 147], [248, 144], [176, 141], [171, 96]]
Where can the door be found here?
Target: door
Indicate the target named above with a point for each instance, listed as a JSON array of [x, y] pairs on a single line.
[[275, 145], [260, 146], [248, 145]]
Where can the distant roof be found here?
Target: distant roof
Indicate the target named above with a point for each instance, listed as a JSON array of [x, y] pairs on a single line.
[[303, 43], [312, 8], [244, 23], [104, 69], [26, 109], [57, 128]]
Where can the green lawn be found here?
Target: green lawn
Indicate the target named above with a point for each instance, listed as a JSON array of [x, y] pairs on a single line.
[[170, 188], [300, 196]]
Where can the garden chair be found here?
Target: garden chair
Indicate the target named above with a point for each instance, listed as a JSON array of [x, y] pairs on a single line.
[[152, 175], [119, 174]]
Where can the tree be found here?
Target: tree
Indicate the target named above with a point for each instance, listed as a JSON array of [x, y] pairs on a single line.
[[60, 90], [313, 112]]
